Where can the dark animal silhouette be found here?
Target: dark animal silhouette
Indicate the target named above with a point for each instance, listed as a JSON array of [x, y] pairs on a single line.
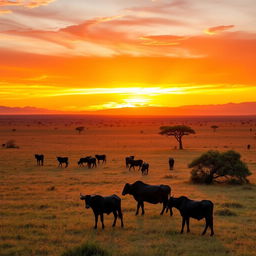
[[171, 163], [128, 160], [62, 160], [39, 159], [91, 162], [83, 160], [101, 205], [134, 163], [144, 168], [147, 193], [193, 209], [102, 158], [248, 146]]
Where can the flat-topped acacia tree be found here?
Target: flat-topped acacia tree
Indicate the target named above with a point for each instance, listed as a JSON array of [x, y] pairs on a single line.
[[178, 131], [80, 129]]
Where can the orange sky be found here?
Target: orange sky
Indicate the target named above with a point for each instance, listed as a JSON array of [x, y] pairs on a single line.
[[86, 55]]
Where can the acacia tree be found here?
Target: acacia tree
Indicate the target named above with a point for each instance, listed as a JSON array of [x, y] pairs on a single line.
[[214, 165], [214, 127], [80, 129], [178, 131]]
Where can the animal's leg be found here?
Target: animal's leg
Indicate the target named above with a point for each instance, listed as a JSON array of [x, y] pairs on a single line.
[[96, 220], [183, 224], [211, 225], [142, 207], [164, 205], [206, 226], [102, 220], [187, 221], [115, 217], [121, 217], [138, 207]]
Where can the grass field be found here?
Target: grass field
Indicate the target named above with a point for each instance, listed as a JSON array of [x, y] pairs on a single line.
[[41, 213]]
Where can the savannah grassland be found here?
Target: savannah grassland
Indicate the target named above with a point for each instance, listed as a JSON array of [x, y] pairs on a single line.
[[41, 213]]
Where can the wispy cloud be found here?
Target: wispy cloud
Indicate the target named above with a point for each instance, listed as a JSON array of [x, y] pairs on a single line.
[[218, 29], [25, 3]]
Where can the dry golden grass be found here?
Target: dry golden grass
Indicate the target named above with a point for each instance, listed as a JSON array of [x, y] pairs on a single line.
[[41, 213]]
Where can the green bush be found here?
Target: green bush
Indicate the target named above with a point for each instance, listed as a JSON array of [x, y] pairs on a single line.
[[220, 167], [87, 249]]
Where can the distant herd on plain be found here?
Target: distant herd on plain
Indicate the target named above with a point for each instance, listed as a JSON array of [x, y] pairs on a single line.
[[141, 192]]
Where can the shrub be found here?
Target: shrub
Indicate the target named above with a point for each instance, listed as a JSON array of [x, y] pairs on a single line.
[[10, 144], [87, 249], [217, 166]]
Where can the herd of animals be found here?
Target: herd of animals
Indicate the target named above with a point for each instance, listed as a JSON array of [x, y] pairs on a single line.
[[141, 192], [91, 162]]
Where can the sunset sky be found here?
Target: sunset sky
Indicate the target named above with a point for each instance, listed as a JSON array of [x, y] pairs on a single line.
[[96, 54]]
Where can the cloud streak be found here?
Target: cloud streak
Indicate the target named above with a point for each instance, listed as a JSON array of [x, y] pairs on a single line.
[[218, 29]]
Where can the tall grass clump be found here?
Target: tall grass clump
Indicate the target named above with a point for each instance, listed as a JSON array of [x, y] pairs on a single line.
[[87, 249]]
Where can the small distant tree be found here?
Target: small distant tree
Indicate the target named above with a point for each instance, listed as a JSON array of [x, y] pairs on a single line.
[[214, 127], [214, 166], [178, 131], [80, 129]]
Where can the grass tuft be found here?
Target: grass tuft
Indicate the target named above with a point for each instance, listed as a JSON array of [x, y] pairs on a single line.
[[87, 249], [232, 205], [225, 212]]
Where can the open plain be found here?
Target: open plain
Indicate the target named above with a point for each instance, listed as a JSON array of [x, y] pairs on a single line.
[[42, 214]]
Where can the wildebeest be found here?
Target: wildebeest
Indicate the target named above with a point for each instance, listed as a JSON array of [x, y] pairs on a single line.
[[102, 158], [144, 168], [171, 163], [83, 160], [91, 162], [128, 160], [62, 160], [148, 193], [101, 205], [39, 159], [193, 209], [134, 163]]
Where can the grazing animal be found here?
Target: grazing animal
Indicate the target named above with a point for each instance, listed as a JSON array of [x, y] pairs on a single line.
[[171, 163], [62, 160], [83, 160], [91, 162], [101, 205], [102, 158], [39, 159], [128, 160], [193, 209], [144, 168], [134, 163], [147, 193]]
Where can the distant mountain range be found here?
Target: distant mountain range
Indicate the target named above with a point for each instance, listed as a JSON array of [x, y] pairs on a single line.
[[230, 109]]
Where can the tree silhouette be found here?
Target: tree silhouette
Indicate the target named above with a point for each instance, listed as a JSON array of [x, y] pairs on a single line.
[[214, 127], [178, 131], [214, 164], [80, 129]]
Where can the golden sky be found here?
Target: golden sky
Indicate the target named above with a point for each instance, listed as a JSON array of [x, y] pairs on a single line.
[[87, 55]]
